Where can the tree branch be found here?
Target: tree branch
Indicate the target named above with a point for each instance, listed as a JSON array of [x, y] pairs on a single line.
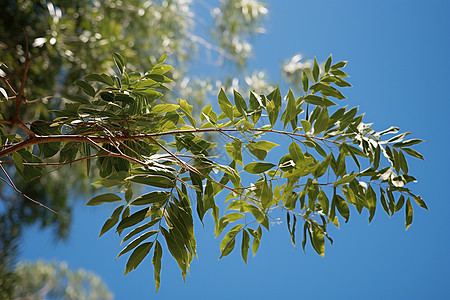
[[35, 139]]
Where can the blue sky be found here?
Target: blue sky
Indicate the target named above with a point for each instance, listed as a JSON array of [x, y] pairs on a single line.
[[398, 63]]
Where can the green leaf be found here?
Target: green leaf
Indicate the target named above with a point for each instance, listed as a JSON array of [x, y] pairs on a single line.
[[120, 62], [234, 150], [228, 241], [137, 256], [257, 234], [291, 231], [274, 105], [161, 69], [178, 252], [402, 161], [338, 65], [225, 220], [162, 58], [419, 200], [398, 138], [408, 214], [266, 194], [305, 230], [136, 242], [327, 90], [260, 148], [316, 70], [384, 202], [255, 107], [317, 240], [240, 103], [413, 153], [140, 229], [228, 247], [342, 207], [153, 180], [400, 203], [225, 105], [187, 109], [371, 198], [316, 100], [304, 81], [290, 112], [112, 220], [133, 219], [159, 197], [306, 125], [328, 64], [245, 245], [408, 143], [258, 167], [100, 78], [105, 198], [322, 168], [163, 108], [18, 161], [346, 179], [324, 202], [338, 73], [86, 87], [156, 261], [296, 153]]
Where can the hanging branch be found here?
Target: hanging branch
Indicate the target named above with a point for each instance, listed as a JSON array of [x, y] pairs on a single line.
[[140, 139]]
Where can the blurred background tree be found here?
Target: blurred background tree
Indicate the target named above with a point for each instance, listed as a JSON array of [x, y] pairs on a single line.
[[43, 280]]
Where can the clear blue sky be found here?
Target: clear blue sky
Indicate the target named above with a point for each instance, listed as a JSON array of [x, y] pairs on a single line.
[[398, 63]]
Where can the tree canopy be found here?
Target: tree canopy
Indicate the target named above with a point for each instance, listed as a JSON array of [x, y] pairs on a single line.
[[248, 160]]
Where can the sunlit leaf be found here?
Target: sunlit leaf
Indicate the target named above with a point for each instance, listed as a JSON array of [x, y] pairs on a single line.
[[245, 245], [156, 261], [105, 198], [408, 214], [112, 220], [137, 256], [133, 244], [133, 219], [153, 197], [258, 167]]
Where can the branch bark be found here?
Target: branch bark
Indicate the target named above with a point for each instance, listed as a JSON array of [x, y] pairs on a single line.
[[35, 139]]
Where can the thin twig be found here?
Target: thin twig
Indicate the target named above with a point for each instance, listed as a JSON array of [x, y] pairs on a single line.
[[18, 191], [43, 174], [40, 99], [8, 85]]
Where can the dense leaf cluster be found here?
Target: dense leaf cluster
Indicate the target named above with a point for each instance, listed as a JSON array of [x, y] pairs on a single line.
[[121, 122]]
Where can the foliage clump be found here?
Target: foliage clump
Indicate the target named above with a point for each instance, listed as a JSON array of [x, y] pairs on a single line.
[[123, 131]]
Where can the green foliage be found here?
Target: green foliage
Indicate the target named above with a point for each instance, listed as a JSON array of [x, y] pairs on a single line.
[[136, 138]]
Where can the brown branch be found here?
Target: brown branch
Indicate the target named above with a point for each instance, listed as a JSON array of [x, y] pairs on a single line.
[[18, 191], [19, 124], [34, 140], [25, 128], [6, 122]]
